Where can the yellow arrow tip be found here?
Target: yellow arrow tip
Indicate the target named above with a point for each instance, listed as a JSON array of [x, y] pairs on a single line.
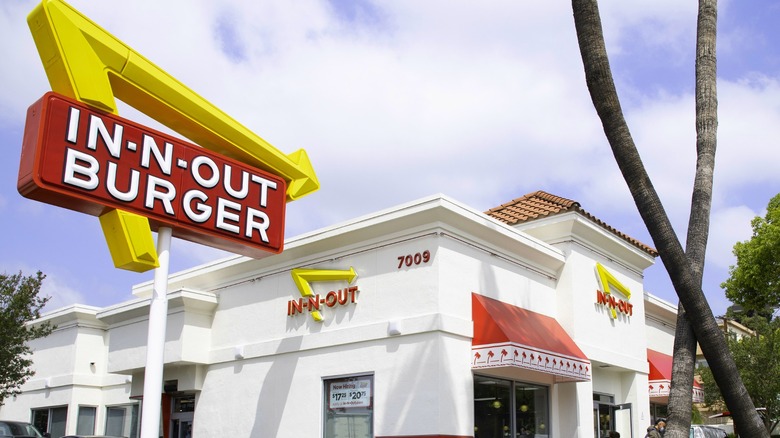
[[308, 182]]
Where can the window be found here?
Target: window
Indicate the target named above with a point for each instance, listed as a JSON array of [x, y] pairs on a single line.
[[122, 421], [52, 420], [85, 424], [658, 411], [349, 407], [532, 410], [184, 404], [506, 408]]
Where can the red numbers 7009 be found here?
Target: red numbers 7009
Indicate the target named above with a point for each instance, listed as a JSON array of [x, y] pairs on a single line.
[[414, 259]]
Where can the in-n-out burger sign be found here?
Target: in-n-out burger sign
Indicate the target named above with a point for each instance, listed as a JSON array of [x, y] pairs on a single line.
[[79, 158], [312, 303], [606, 298], [303, 278]]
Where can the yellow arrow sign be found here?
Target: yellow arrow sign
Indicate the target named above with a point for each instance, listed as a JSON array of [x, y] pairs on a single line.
[[606, 279], [85, 62], [303, 277]]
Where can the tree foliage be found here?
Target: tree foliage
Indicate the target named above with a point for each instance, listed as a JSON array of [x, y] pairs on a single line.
[[758, 360], [19, 304], [754, 282]]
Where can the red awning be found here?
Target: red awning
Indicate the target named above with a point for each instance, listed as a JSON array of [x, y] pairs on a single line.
[[660, 377], [506, 335]]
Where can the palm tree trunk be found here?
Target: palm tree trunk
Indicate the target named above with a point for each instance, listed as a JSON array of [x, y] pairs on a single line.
[[683, 367], [598, 77]]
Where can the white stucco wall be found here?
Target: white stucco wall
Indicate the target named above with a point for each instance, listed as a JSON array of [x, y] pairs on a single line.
[[660, 324], [616, 347], [71, 370], [421, 377], [259, 372]]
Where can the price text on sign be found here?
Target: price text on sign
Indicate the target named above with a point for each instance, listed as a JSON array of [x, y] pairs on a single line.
[[89, 161], [414, 259], [351, 394]]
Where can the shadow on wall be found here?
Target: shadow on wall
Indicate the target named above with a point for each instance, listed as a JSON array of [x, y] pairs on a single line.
[[424, 394], [268, 422]]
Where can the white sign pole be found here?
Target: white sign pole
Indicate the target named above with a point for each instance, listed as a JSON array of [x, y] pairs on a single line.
[[155, 343]]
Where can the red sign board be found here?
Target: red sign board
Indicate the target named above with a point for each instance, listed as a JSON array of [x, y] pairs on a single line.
[[79, 158]]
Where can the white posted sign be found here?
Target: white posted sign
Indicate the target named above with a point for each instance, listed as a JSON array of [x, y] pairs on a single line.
[[350, 394]]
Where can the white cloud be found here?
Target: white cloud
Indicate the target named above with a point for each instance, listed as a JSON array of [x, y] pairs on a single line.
[[60, 293], [58, 289], [749, 126], [22, 76], [728, 226], [398, 100]]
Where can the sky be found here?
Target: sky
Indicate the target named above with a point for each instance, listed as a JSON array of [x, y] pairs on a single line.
[[394, 101]]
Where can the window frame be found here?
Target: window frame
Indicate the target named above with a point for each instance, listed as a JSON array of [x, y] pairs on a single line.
[[130, 419], [79, 424], [50, 411], [329, 412], [514, 385]]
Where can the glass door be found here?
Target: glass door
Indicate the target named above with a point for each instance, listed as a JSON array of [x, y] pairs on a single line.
[[602, 420], [181, 428], [609, 417], [183, 412], [492, 407], [623, 423]]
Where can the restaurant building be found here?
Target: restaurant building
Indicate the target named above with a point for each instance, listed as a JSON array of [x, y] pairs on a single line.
[[430, 319]]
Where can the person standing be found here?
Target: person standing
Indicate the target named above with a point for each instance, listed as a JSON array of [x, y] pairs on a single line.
[[658, 430]]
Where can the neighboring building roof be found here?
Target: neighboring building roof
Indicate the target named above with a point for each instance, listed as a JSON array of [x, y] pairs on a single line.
[[541, 204], [731, 326]]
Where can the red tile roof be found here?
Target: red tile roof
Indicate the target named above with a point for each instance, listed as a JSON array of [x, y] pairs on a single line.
[[541, 204]]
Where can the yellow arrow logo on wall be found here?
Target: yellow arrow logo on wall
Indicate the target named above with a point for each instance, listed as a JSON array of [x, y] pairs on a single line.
[[303, 277], [606, 279]]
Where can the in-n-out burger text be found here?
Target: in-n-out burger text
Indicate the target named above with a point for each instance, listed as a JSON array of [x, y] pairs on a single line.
[[314, 302], [606, 298], [86, 160], [610, 301]]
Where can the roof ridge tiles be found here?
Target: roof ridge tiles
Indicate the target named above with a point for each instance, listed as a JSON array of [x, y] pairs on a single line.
[[543, 204]]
